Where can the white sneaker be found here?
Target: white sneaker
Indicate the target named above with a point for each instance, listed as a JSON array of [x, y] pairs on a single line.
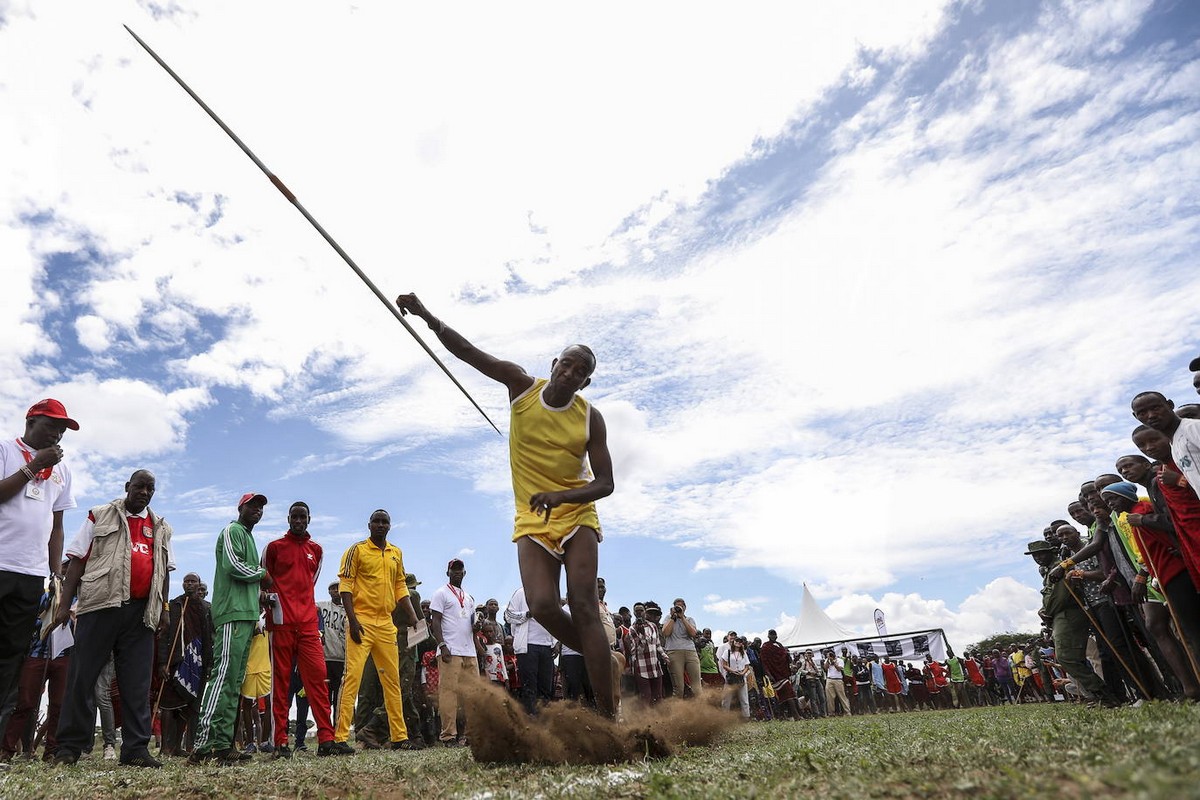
[[110, 753]]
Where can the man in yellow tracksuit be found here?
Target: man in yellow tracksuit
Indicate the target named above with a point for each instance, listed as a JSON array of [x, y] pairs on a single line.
[[375, 598]]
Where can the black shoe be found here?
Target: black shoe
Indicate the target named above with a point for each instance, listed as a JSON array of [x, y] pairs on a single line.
[[141, 758], [408, 744], [226, 757], [196, 758], [282, 751], [334, 749], [66, 758]]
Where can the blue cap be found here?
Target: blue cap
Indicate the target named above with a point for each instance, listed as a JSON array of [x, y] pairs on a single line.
[[1123, 488]]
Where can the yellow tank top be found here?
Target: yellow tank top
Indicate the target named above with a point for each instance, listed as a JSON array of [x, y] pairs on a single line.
[[547, 451]]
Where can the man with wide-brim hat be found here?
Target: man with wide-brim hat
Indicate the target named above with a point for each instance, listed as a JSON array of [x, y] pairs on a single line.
[[1069, 624]]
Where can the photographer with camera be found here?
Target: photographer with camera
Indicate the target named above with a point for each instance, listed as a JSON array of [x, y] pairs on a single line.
[[679, 633], [835, 686]]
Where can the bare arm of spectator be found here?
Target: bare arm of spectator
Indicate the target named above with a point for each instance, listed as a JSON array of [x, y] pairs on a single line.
[[435, 625]]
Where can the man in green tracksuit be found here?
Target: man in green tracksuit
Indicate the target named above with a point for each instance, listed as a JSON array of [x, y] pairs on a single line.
[[1069, 624], [236, 585]]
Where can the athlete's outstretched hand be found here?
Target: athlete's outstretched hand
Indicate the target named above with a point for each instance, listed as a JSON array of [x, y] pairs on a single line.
[[411, 304]]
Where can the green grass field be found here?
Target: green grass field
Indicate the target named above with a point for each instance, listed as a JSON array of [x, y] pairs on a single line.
[[1052, 751]]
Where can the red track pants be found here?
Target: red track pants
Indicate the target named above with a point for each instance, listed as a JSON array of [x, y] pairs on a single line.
[[303, 647]]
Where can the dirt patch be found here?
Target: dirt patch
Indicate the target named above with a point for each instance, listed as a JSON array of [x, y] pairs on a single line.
[[566, 733]]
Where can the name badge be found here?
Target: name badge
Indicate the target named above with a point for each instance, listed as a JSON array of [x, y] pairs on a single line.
[[34, 491], [462, 612]]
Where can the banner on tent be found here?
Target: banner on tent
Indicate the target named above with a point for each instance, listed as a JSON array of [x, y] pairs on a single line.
[[904, 647]]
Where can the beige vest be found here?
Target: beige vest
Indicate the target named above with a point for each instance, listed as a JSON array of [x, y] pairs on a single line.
[[105, 581]]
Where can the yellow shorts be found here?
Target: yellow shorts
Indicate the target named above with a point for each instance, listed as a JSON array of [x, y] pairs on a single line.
[[256, 684], [553, 545]]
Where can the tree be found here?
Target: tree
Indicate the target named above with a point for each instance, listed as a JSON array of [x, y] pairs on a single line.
[[1002, 641]]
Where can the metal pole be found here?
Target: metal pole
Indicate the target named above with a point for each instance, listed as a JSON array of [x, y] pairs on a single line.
[[291, 198]]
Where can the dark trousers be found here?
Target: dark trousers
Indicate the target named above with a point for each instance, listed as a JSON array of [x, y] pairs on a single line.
[[575, 679], [651, 689], [36, 673], [19, 597], [1122, 655], [121, 633], [536, 668], [333, 673], [1185, 608]]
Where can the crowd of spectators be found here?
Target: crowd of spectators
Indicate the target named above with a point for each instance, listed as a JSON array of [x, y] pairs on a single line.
[[239, 676]]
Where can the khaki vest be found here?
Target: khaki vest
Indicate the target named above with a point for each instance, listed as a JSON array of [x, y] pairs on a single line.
[[105, 581]]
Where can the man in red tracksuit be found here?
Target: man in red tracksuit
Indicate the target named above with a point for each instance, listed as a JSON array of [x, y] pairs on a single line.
[[294, 561]]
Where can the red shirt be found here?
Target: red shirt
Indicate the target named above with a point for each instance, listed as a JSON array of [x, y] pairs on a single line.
[[1160, 552], [1184, 508], [141, 555], [294, 562]]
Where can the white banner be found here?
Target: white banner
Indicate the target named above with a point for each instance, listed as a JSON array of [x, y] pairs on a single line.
[[880, 623], [905, 647]]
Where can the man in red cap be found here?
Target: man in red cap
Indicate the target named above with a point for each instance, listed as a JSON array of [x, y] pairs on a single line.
[[34, 492], [237, 583], [453, 628]]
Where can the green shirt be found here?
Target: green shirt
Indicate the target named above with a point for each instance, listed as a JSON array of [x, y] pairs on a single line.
[[235, 584], [708, 659]]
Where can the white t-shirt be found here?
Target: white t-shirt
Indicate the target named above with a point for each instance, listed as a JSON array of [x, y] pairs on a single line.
[[25, 522], [833, 669], [566, 651], [493, 663], [525, 629], [457, 608], [721, 653], [1185, 451], [333, 623], [737, 661]]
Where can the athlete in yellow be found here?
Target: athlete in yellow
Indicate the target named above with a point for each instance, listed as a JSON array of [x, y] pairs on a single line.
[[558, 451], [375, 597]]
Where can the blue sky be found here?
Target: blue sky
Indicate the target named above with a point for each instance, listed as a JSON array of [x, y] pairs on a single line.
[[870, 285]]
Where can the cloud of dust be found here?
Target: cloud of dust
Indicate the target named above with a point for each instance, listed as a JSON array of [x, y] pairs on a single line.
[[565, 733]]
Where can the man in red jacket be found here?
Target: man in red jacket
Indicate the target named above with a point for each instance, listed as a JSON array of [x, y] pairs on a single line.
[[294, 561]]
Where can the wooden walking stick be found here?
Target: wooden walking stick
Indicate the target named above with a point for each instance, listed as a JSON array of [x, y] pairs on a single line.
[[174, 641], [1170, 608], [1100, 631]]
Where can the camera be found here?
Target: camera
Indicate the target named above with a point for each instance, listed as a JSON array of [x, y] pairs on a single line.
[[677, 611]]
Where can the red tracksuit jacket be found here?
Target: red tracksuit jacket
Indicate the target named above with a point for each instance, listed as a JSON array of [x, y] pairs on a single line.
[[294, 562]]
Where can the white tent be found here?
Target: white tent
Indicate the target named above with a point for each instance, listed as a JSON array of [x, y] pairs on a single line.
[[814, 625], [814, 628]]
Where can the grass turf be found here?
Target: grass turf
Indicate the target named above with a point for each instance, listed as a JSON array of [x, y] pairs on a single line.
[[1060, 751]]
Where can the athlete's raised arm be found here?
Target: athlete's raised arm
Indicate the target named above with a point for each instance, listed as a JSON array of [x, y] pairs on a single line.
[[506, 372]]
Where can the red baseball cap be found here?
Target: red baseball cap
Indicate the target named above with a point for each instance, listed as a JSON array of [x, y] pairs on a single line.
[[54, 410], [248, 496]]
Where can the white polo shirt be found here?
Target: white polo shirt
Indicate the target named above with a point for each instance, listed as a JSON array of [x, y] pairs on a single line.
[[457, 608], [25, 522]]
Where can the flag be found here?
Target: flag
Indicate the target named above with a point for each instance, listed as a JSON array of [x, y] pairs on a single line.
[[880, 624]]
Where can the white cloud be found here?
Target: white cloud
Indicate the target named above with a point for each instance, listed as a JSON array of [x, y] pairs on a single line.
[[937, 315], [93, 333], [729, 606]]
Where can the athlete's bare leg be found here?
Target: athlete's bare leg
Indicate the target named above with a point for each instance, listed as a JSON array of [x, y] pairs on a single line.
[[581, 631]]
